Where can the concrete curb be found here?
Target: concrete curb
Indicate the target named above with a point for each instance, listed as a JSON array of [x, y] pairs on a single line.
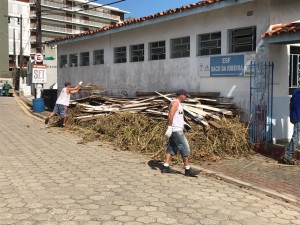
[[209, 173], [268, 192], [27, 106]]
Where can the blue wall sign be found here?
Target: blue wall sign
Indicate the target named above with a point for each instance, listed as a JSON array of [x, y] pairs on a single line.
[[231, 65]]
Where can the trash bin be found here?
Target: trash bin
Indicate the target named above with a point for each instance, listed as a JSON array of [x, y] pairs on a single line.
[[38, 105], [50, 97]]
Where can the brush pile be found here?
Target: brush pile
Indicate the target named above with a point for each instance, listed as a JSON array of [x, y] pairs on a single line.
[[138, 124]]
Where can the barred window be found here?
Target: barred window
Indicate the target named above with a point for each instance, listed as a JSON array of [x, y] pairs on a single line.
[[137, 53], [209, 44], [120, 55], [180, 47], [157, 50], [242, 40], [84, 59], [98, 57], [63, 62], [73, 60]]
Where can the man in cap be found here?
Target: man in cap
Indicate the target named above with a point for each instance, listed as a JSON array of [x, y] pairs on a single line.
[[62, 103], [177, 140]]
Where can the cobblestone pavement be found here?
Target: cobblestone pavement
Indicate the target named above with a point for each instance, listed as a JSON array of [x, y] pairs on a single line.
[[47, 177], [261, 171]]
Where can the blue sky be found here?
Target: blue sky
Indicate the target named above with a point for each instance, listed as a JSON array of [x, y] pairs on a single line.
[[140, 8]]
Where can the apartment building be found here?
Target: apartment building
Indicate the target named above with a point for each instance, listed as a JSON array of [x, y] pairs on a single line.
[[59, 18]]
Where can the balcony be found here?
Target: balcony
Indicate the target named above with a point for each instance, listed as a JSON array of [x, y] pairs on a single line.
[[75, 9], [75, 21], [33, 39]]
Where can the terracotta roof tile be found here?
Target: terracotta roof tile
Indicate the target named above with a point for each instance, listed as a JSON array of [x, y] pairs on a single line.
[[279, 29], [137, 20]]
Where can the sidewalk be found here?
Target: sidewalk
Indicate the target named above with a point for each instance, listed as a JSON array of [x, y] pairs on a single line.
[[260, 173]]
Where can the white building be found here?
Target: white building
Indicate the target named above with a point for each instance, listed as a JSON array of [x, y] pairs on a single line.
[[204, 47], [15, 10]]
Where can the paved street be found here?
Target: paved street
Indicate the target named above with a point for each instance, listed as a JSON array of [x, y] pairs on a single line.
[[47, 177]]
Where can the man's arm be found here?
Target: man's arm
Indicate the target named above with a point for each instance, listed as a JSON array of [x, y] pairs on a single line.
[[73, 90], [172, 111]]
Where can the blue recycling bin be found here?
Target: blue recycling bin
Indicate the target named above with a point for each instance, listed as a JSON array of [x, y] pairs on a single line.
[[38, 105]]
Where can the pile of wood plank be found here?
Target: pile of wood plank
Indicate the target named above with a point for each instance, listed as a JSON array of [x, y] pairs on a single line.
[[203, 108]]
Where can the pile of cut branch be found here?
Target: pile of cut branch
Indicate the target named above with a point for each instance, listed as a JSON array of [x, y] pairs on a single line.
[[139, 125]]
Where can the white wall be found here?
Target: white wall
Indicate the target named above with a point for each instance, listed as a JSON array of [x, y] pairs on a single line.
[[171, 74]]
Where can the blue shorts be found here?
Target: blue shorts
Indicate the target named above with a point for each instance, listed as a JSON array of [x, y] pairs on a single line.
[[60, 110], [178, 142]]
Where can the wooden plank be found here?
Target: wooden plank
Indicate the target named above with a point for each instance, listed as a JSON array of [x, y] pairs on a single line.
[[136, 105], [214, 124], [157, 112], [149, 93], [89, 117], [204, 94], [223, 111], [201, 112], [134, 109], [207, 99]]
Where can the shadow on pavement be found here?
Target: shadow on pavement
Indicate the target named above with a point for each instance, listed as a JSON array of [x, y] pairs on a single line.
[[157, 164]]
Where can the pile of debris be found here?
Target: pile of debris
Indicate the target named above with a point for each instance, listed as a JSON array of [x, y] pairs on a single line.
[[205, 110], [138, 124]]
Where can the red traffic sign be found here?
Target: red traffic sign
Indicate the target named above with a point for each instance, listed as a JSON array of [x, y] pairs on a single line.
[[38, 57]]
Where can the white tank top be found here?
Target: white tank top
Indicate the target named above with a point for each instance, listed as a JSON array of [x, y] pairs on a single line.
[[64, 98], [178, 119]]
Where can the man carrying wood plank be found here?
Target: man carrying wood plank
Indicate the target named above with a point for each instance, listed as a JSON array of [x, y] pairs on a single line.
[[62, 103], [177, 140]]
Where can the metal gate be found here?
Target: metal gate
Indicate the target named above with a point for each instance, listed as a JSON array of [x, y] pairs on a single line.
[[261, 102]]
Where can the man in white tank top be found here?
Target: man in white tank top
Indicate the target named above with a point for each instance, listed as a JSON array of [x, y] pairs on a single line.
[[177, 140], [63, 101]]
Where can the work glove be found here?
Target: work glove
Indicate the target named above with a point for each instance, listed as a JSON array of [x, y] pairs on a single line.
[[187, 127], [169, 131], [80, 83]]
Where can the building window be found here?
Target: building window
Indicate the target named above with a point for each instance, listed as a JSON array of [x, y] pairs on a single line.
[[73, 60], [209, 44], [180, 47], [63, 61], [84, 59], [242, 40], [120, 54], [98, 57], [294, 75], [137, 53], [157, 50]]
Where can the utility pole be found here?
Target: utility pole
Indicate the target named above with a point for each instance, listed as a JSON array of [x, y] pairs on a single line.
[[38, 27], [21, 47], [15, 58], [39, 86]]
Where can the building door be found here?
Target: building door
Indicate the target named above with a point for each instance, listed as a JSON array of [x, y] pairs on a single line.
[[261, 102]]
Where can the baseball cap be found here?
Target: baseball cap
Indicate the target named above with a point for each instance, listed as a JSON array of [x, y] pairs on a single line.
[[182, 92]]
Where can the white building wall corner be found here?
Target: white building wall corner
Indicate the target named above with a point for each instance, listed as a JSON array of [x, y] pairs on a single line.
[[190, 73]]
